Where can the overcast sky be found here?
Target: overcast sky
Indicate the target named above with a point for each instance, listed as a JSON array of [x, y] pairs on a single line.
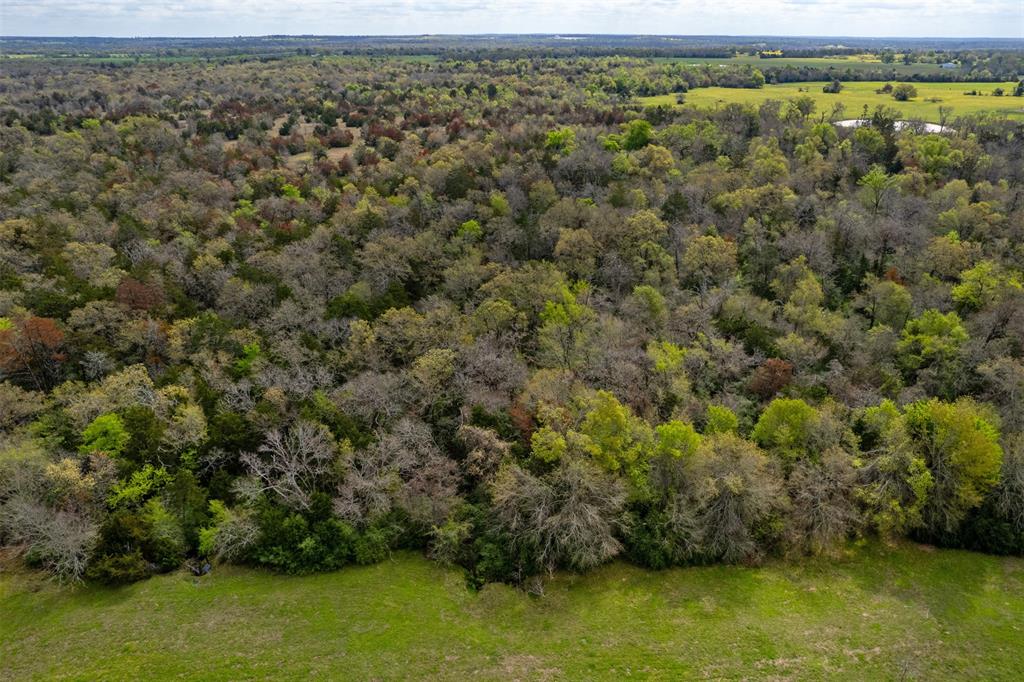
[[934, 18]]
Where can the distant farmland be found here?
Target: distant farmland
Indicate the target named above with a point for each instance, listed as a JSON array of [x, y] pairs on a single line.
[[840, 63], [856, 95]]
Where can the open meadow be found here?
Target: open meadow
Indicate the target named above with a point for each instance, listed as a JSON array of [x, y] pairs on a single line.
[[840, 63], [908, 612], [856, 95]]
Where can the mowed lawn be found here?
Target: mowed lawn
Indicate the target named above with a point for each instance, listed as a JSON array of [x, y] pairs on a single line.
[[855, 95], [905, 612]]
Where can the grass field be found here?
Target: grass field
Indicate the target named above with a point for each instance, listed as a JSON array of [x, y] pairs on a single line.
[[857, 94], [840, 63], [903, 612]]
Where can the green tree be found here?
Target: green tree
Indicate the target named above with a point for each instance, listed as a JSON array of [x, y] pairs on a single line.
[[934, 154], [960, 444], [885, 302], [576, 252], [105, 433], [676, 439], [651, 305], [567, 327], [767, 162], [877, 186], [981, 284], [547, 445], [615, 438], [784, 428], [561, 141], [720, 419], [934, 340], [894, 478], [638, 134], [903, 92], [708, 260]]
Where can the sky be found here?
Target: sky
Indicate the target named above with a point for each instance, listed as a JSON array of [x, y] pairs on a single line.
[[910, 18]]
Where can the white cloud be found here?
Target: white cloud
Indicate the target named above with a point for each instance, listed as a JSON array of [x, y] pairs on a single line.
[[1003, 18]]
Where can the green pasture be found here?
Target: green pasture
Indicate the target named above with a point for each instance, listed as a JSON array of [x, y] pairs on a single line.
[[878, 612], [839, 63], [856, 95]]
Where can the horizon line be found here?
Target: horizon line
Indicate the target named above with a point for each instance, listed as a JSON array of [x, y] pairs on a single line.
[[483, 35]]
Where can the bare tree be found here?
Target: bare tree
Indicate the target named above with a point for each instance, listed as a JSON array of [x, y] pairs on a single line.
[[52, 508], [18, 405], [374, 397], [734, 489], [429, 492], [486, 451], [823, 509], [368, 488], [570, 517], [1004, 378], [294, 464], [404, 468], [1010, 493], [493, 371], [62, 539]]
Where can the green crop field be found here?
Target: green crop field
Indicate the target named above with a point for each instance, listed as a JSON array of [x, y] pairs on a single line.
[[840, 63], [906, 612], [855, 95]]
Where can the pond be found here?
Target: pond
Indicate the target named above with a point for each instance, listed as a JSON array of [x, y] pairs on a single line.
[[917, 126]]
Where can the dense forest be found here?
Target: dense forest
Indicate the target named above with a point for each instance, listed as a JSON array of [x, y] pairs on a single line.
[[300, 312]]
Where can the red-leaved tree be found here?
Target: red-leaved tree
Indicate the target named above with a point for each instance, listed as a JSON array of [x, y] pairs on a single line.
[[31, 352]]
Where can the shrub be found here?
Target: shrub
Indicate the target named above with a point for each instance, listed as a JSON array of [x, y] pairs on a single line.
[[496, 557], [658, 537], [118, 556], [904, 92], [119, 569], [371, 546], [833, 88], [294, 542]]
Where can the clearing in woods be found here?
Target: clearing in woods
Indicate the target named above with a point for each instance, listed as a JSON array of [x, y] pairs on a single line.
[[855, 95], [839, 63]]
